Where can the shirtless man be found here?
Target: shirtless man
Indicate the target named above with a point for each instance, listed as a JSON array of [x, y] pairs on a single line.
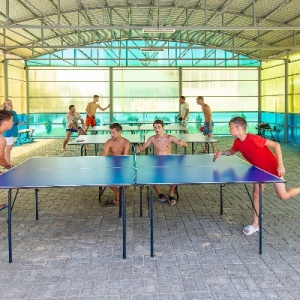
[[208, 122], [6, 123], [116, 146], [91, 112], [162, 146], [72, 118]]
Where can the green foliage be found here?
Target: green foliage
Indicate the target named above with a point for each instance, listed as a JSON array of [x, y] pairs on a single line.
[[48, 125], [198, 121], [163, 118], [239, 115], [132, 118]]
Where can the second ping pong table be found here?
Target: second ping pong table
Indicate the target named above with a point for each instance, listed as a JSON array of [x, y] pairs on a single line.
[[95, 139], [131, 170]]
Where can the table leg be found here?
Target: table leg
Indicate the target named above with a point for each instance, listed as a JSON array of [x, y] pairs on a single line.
[[36, 204], [141, 201], [151, 223], [124, 220], [148, 200], [9, 234], [221, 198], [260, 219], [120, 202]]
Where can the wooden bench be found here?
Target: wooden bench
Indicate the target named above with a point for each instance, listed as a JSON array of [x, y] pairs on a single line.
[[24, 136]]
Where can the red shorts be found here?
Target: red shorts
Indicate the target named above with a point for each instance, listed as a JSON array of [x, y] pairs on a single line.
[[90, 121]]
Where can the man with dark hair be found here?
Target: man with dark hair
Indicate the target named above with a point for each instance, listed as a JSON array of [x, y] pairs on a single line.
[[115, 146], [6, 123], [162, 146], [72, 118], [184, 111]]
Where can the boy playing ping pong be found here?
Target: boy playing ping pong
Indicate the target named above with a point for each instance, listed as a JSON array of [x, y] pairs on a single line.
[[162, 146], [255, 150]]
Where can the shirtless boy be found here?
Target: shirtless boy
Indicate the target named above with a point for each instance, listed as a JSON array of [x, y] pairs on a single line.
[[116, 146], [91, 112], [162, 146], [208, 122], [6, 123]]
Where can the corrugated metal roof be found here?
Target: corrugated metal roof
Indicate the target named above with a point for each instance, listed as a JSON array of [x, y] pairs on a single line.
[[260, 29]]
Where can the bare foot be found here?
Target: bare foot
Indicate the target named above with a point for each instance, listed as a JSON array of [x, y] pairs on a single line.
[[63, 150], [3, 206]]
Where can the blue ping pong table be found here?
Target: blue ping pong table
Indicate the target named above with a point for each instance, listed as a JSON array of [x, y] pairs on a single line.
[[47, 172], [131, 170], [199, 169]]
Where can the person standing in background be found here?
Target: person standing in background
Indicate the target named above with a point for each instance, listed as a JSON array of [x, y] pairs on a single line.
[[208, 122], [10, 135], [91, 112], [184, 111], [72, 118], [91, 109]]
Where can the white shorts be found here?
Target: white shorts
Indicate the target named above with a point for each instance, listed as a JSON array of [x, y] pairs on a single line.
[[10, 140]]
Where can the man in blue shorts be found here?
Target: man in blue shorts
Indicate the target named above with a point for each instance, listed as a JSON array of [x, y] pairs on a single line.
[[208, 122], [72, 118]]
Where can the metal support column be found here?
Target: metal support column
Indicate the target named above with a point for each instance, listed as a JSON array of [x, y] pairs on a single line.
[[286, 99], [180, 80], [259, 95], [27, 95], [111, 94], [180, 88], [5, 69]]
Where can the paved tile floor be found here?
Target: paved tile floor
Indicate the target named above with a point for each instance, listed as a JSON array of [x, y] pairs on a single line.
[[75, 250]]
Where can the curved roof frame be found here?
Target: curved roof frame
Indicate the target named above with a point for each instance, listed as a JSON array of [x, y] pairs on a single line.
[[258, 29], [133, 53]]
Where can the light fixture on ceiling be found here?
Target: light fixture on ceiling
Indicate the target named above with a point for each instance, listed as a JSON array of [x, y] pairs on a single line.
[[158, 30], [152, 49]]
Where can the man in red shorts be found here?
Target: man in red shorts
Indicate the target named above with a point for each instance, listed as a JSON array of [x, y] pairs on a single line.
[[91, 109], [91, 112], [255, 150]]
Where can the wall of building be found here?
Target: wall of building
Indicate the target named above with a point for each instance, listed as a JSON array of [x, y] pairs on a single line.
[[273, 96], [13, 86], [142, 94]]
